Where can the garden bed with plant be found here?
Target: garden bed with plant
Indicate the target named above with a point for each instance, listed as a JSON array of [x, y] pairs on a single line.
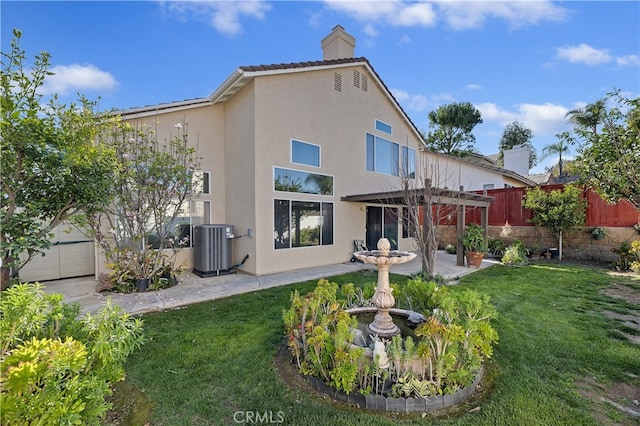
[[453, 336]]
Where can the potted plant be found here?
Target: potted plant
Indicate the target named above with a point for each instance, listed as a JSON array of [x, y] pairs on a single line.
[[141, 266], [598, 233], [475, 244]]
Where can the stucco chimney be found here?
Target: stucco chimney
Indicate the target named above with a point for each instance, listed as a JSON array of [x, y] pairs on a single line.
[[338, 44], [516, 159]]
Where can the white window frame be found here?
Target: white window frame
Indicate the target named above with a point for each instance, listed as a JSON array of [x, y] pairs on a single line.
[[305, 143], [333, 187], [202, 176], [376, 140], [292, 200], [390, 132]]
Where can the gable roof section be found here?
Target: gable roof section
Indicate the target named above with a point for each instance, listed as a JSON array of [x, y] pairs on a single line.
[[244, 74]]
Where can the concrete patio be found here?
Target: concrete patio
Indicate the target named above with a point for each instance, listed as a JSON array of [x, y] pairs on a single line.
[[193, 289]]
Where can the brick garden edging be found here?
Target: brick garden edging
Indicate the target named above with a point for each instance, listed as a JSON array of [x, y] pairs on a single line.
[[402, 405]]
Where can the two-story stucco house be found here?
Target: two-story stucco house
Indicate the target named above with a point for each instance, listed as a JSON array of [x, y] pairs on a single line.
[[291, 150]]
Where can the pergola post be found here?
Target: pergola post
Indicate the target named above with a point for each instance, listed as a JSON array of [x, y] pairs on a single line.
[[459, 235], [484, 220]]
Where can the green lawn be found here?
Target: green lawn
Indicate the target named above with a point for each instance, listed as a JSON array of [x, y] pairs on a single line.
[[205, 362]]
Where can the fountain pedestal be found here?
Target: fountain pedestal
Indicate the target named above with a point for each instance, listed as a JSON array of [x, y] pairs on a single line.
[[383, 258]]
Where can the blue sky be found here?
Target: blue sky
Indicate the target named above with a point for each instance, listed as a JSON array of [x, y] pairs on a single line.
[[526, 61]]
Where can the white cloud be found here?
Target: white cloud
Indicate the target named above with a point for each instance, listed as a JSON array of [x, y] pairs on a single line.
[[472, 86], [223, 16], [462, 15], [414, 14], [583, 53], [405, 39], [628, 60], [314, 20], [76, 77], [491, 112], [365, 10], [416, 102], [543, 119], [370, 30], [412, 102], [458, 15]]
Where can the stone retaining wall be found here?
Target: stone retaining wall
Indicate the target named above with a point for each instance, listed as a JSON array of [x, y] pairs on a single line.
[[401, 405], [578, 245]]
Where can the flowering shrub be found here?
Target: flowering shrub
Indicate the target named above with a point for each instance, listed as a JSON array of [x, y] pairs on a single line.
[[515, 254], [140, 230], [445, 356], [56, 368]]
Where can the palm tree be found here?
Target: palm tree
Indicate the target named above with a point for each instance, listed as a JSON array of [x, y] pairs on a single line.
[[589, 117], [565, 140]]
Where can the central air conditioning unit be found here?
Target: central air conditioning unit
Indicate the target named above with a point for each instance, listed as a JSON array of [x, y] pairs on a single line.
[[212, 250]]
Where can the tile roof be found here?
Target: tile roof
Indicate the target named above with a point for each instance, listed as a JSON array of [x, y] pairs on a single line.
[[307, 64]]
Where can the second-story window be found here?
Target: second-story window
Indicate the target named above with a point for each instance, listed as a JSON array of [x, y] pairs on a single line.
[[384, 156], [288, 180], [305, 153], [383, 127]]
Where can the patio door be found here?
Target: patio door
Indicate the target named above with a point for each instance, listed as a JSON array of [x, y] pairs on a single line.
[[382, 222]]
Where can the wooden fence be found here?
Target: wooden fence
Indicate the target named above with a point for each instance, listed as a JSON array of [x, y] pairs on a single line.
[[507, 209]]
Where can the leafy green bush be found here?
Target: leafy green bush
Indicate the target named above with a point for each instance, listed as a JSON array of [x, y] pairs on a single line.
[[635, 253], [320, 338], [474, 239], [496, 247], [628, 255], [451, 249], [56, 368], [515, 254]]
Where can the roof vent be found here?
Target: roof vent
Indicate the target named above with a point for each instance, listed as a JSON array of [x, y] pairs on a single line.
[[338, 44]]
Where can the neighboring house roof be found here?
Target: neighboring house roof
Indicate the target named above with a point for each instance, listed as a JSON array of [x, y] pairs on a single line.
[[541, 178], [493, 157], [472, 157], [244, 74], [481, 161]]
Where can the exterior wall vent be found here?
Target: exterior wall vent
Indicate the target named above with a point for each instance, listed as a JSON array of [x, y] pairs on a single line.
[[364, 82], [212, 250], [356, 78], [337, 82]]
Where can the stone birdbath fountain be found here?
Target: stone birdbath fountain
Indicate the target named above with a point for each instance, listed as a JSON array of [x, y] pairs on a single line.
[[383, 258]]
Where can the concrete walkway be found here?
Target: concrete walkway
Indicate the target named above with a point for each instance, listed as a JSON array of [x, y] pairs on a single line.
[[193, 289]]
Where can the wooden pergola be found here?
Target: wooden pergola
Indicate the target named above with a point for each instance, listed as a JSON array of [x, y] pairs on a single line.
[[460, 199]]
